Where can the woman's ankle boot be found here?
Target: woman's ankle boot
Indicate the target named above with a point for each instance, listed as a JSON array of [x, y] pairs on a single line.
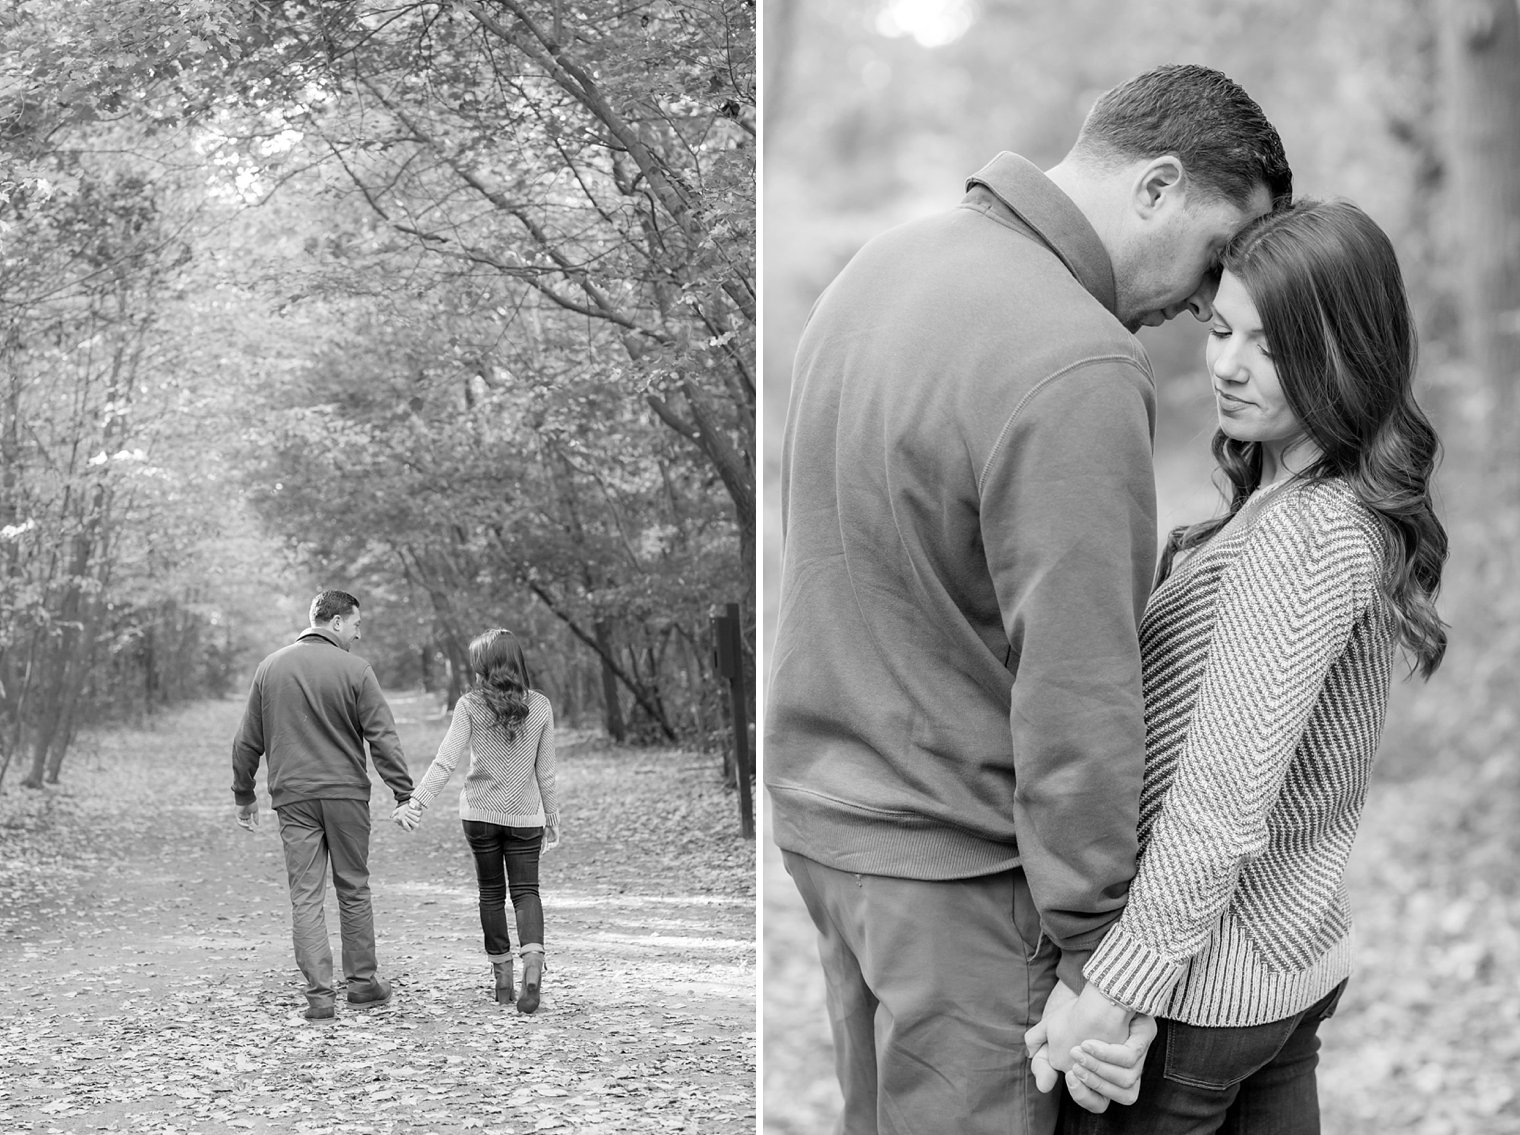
[[505, 994], [533, 975]]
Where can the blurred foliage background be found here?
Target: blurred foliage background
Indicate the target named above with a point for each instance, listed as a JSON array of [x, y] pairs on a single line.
[[449, 303], [875, 111]]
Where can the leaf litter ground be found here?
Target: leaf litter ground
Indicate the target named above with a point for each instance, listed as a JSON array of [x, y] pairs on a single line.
[[149, 983]]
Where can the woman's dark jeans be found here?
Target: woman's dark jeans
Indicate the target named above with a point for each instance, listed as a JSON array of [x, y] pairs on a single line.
[[1257, 1080], [503, 857]]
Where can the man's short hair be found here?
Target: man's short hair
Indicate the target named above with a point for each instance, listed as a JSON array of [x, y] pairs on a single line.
[[330, 604], [1221, 136]]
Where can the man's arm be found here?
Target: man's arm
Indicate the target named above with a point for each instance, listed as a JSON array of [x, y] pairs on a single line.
[[379, 728], [248, 746], [1069, 527]]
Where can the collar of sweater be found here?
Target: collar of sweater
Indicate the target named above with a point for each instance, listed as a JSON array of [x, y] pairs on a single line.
[[1024, 190], [322, 633]]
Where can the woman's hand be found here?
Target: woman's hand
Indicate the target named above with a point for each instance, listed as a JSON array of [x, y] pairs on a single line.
[[408, 815], [1097, 1073], [1105, 1073]]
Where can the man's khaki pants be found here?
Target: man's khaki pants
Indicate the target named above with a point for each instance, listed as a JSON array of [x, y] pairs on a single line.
[[930, 988], [316, 833]]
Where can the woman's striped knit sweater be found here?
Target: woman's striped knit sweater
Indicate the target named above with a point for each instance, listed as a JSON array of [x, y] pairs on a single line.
[[1266, 658], [510, 783]]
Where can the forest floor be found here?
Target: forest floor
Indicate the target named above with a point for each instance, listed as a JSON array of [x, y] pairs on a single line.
[[1427, 1037], [149, 986]]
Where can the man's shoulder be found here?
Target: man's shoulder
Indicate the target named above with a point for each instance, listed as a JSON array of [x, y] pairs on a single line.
[[311, 653], [1003, 275]]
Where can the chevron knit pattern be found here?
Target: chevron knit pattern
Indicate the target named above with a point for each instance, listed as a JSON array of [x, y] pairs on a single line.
[[1266, 657], [510, 783]]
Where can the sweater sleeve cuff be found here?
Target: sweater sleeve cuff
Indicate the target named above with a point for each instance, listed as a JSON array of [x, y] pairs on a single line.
[[239, 797], [1134, 974]]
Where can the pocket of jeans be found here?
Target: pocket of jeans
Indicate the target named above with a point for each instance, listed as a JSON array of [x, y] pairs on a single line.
[[1333, 1001], [1220, 1058], [1026, 916]]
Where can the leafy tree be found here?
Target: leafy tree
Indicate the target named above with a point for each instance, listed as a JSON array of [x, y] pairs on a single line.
[[461, 294]]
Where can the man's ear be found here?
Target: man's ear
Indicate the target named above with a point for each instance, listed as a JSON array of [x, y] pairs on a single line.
[[1159, 184]]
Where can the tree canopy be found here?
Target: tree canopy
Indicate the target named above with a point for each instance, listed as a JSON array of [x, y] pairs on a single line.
[[450, 303]]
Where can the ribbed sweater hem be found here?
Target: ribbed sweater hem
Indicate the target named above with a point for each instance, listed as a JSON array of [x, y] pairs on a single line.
[[504, 819], [867, 841], [279, 797], [1228, 985]]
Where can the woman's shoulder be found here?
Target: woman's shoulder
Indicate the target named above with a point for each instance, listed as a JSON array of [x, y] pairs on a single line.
[[467, 705], [1326, 515], [539, 703], [1328, 502]]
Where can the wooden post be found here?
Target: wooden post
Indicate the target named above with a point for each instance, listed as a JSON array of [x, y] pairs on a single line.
[[728, 649]]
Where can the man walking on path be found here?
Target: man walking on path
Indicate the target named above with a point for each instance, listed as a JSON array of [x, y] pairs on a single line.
[[955, 737], [312, 707]]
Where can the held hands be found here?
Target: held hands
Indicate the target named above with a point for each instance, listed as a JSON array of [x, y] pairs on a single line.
[[247, 816], [408, 815], [1100, 1047]]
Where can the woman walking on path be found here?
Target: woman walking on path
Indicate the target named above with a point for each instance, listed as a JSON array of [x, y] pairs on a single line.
[[1266, 649], [509, 805]]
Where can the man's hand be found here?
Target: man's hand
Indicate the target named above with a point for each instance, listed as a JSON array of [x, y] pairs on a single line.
[[248, 816], [408, 815], [1090, 1016], [1097, 1071], [1035, 1039]]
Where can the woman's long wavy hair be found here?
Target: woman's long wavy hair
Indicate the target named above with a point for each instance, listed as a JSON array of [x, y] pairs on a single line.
[[1326, 283], [501, 677]]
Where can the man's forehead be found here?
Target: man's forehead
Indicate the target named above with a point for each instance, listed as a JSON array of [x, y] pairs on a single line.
[[1260, 204], [1229, 218]]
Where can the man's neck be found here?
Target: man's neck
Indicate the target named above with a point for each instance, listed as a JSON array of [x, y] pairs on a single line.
[[1091, 193]]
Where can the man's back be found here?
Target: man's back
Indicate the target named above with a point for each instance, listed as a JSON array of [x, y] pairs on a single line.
[[967, 498], [311, 708]]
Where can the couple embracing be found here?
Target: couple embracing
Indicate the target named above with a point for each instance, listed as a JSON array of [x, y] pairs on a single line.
[[312, 709], [1055, 804]]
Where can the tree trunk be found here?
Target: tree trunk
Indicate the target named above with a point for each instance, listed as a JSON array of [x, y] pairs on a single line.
[[780, 18], [425, 668], [643, 698], [459, 666], [49, 714], [612, 709], [1481, 52]]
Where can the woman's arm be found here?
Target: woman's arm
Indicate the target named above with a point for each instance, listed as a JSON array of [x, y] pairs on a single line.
[[543, 767], [1286, 611], [456, 743]]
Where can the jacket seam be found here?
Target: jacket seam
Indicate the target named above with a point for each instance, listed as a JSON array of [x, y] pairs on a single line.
[[1002, 437]]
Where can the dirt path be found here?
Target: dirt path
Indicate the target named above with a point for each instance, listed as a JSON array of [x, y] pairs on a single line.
[[148, 984]]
